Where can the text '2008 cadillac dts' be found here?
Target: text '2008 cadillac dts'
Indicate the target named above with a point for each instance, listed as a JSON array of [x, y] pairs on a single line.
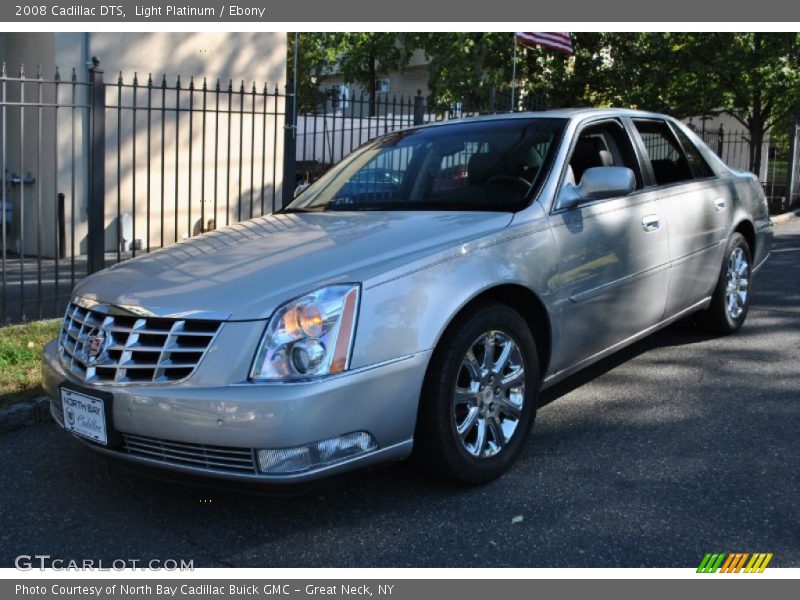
[[413, 301]]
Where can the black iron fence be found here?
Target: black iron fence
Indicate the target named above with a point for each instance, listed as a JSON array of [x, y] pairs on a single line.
[[98, 171], [778, 168]]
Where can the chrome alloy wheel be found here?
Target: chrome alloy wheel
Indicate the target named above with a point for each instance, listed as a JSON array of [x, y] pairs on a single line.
[[489, 394], [738, 283]]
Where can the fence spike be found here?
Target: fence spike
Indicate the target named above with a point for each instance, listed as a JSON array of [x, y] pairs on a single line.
[[149, 80], [191, 82], [178, 83], [39, 72], [205, 84], [277, 91], [230, 85], [74, 77], [4, 69], [164, 80], [216, 88], [22, 70], [57, 76], [119, 79], [254, 88], [266, 91], [241, 87], [135, 79]]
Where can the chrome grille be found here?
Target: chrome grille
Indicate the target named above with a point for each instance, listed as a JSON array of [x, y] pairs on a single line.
[[218, 458], [129, 348]]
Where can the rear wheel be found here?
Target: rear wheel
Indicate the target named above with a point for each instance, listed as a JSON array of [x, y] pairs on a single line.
[[731, 299], [479, 398]]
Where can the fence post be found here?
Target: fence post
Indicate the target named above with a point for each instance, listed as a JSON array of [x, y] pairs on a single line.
[[720, 141], [419, 108], [289, 146], [492, 99], [793, 166], [97, 172]]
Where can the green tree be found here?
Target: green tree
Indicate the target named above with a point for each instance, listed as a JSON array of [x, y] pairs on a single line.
[[360, 58], [759, 75], [466, 66], [315, 51], [752, 76]]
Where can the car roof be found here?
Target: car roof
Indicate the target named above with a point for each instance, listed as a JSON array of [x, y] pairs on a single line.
[[559, 113]]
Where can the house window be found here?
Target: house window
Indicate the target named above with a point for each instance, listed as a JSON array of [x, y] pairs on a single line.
[[340, 95], [382, 86]]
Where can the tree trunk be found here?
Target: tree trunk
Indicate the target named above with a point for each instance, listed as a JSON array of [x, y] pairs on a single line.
[[756, 146]]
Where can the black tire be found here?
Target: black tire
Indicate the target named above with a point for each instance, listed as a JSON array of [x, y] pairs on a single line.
[[717, 318], [438, 447]]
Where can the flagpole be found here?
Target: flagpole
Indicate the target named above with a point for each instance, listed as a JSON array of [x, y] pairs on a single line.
[[514, 73]]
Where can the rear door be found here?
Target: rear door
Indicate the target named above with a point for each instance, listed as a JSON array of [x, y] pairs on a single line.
[[697, 205], [613, 253]]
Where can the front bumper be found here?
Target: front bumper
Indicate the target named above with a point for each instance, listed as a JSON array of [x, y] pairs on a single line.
[[380, 400]]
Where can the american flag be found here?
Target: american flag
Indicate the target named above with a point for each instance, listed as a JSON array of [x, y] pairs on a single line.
[[556, 40]]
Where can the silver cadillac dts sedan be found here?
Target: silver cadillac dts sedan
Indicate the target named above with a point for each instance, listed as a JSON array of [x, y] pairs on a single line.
[[413, 301]]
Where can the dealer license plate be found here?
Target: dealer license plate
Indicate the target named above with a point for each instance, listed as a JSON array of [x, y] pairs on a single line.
[[84, 415]]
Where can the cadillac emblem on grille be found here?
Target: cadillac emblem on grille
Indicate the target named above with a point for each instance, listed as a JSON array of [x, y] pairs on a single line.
[[94, 345]]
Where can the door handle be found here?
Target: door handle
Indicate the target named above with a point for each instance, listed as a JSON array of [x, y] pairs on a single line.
[[651, 223], [719, 204]]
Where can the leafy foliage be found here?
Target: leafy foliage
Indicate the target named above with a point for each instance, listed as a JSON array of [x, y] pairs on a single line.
[[754, 76]]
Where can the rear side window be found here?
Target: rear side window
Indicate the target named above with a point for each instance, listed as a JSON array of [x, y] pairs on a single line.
[[666, 156], [700, 168]]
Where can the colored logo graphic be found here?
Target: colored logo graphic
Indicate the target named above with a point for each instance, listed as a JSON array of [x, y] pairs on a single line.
[[94, 345], [735, 562]]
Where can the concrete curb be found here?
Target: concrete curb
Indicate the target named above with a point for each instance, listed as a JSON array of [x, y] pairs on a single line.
[[785, 217], [23, 414]]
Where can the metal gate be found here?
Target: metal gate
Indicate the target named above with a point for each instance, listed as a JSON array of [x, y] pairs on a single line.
[[96, 171], [793, 193]]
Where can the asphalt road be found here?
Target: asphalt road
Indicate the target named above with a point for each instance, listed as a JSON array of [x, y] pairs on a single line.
[[679, 445]]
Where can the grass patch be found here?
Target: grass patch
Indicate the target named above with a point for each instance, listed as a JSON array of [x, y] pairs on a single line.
[[20, 358]]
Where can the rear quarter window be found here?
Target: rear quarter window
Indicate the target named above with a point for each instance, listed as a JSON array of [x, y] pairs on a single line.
[[697, 163]]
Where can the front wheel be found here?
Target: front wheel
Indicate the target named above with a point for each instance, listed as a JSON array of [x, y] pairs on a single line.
[[731, 299], [479, 397]]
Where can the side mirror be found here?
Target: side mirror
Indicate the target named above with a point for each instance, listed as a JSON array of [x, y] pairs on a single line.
[[598, 183]]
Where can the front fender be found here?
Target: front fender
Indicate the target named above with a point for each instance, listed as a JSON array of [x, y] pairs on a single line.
[[408, 313]]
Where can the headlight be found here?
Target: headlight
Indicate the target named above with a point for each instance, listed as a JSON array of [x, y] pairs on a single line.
[[310, 336]]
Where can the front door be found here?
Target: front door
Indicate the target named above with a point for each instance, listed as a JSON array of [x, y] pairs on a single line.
[[613, 255]]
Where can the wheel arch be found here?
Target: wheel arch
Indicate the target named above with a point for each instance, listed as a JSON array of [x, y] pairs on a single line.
[[529, 306], [748, 231]]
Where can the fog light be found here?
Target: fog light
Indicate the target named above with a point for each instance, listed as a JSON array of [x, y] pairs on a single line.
[[312, 456]]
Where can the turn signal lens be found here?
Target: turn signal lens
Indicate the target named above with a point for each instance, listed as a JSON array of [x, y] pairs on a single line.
[[311, 321]]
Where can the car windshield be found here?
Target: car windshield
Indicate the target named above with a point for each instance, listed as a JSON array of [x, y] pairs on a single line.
[[492, 165]]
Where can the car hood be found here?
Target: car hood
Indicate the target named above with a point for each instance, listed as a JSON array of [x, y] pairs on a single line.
[[246, 270]]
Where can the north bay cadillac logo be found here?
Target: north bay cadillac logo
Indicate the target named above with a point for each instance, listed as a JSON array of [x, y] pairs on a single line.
[[94, 345], [735, 562]]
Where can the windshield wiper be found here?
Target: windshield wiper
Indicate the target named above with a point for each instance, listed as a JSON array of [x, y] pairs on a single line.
[[290, 210]]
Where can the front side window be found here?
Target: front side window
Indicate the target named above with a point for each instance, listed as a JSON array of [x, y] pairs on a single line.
[[604, 144], [483, 165], [665, 154]]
